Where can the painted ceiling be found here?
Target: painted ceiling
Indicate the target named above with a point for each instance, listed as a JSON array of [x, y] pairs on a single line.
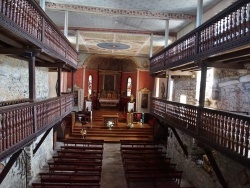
[[123, 27]]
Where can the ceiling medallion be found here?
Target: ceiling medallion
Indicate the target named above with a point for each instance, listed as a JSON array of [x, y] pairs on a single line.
[[113, 46]]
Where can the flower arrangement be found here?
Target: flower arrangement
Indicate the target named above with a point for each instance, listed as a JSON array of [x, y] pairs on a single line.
[[83, 133], [110, 124], [130, 125]]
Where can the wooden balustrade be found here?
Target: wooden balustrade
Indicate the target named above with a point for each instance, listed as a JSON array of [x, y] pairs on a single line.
[[225, 31], [27, 17], [12, 102], [224, 130], [22, 121]]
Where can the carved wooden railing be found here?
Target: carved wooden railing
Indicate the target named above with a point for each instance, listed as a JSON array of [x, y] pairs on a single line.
[[26, 18], [21, 123], [227, 30], [225, 131], [12, 102]]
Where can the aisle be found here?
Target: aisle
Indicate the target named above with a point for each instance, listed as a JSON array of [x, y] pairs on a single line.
[[112, 168]]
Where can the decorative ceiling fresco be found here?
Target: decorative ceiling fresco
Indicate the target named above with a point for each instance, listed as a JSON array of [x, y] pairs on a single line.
[[123, 27]]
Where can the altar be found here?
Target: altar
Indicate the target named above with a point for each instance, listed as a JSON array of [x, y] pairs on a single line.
[[109, 88], [108, 98], [113, 118]]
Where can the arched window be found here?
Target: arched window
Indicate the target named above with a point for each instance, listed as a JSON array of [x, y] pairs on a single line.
[[129, 86], [90, 85]]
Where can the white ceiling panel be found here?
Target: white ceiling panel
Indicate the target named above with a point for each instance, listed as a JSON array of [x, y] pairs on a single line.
[[129, 22]]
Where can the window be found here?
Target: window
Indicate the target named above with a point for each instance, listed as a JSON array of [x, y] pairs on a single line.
[[90, 85], [129, 86]]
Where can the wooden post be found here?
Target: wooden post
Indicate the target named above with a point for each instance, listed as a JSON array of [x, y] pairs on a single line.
[[202, 94], [72, 81], [32, 78], [59, 79]]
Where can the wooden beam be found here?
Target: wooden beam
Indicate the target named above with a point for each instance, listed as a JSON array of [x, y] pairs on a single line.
[[10, 41], [27, 52], [46, 64], [9, 165], [41, 141], [232, 65], [229, 56], [215, 167], [183, 147]]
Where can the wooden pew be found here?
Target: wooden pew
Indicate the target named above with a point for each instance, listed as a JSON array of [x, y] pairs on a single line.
[[70, 178], [65, 185], [146, 161], [174, 176], [140, 169], [74, 162], [80, 152], [83, 148], [72, 168], [77, 158], [84, 142]]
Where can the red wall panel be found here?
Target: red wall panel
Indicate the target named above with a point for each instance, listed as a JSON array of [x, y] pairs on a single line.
[[145, 80]]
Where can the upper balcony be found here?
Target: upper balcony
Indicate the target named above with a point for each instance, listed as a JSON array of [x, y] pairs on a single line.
[[25, 28], [22, 121], [226, 33]]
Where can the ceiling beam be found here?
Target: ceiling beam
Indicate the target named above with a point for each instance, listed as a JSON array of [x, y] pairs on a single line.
[[120, 12], [118, 31]]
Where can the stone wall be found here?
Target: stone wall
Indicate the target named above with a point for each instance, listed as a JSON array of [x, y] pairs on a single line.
[[234, 173], [14, 79], [231, 90], [184, 85], [16, 178]]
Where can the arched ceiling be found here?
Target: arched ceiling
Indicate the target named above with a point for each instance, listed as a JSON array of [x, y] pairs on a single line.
[[101, 62]]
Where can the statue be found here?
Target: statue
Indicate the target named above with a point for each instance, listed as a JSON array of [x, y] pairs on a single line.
[[131, 98]]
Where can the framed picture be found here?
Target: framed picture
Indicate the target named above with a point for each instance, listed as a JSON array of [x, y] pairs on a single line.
[[109, 82], [143, 101]]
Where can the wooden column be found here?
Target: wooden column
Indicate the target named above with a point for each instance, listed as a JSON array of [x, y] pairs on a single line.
[[202, 94], [32, 78], [203, 85], [72, 81], [59, 79]]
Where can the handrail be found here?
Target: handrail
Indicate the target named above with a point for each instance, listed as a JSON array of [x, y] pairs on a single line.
[[226, 131], [28, 19], [230, 26], [21, 123]]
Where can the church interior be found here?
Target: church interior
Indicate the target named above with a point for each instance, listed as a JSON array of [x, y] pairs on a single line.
[[112, 93]]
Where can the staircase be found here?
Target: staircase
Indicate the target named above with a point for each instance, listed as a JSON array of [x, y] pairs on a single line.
[[96, 130]]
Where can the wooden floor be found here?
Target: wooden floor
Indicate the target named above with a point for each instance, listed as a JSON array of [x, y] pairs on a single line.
[[96, 129]]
